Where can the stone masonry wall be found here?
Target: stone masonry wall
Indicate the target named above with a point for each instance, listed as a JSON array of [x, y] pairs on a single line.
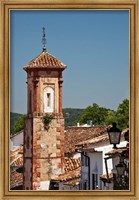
[[48, 149]]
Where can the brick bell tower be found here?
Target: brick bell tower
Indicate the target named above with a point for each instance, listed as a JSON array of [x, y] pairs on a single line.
[[43, 143]]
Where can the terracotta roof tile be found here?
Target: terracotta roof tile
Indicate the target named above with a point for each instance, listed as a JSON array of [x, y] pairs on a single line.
[[44, 60], [72, 182], [117, 151], [16, 179], [16, 161], [72, 172], [99, 138], [76, 135], [71, 164], [86, 148], [73, 136], [95, 140], [16, 157], [70, 175]]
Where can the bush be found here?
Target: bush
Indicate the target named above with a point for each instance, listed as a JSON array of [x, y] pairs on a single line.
[[47, 118]]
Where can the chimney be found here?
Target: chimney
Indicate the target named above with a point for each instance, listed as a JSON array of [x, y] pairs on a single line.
[[78, 124], [90, 123]]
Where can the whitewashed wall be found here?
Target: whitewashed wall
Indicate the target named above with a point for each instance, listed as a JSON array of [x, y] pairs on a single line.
[[106, 149], [16, 141], [96, 166]]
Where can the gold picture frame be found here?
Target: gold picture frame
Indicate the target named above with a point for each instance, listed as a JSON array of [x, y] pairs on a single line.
[[133, 7]]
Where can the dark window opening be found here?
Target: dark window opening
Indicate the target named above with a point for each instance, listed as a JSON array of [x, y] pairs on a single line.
[[94, 181], [48, 100]]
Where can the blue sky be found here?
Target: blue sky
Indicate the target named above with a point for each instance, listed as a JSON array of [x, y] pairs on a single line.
[[93, 44]]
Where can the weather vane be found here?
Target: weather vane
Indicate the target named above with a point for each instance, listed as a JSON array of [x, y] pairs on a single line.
[[43, 39]]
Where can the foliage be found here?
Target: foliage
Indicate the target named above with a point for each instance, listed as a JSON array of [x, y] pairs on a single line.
[[121, 183], [103, 116], [18, 125], [95, 113], [72, 115], [47, 118], [110, 117], [122, 114], [13, 119]]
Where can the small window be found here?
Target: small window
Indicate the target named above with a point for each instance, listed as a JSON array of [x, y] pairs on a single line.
[[48, 100]]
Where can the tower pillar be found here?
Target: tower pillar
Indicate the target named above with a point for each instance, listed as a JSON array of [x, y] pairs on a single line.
[[43, 143]]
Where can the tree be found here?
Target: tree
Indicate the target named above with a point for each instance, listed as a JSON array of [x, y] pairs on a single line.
[[13, 119], [122, 114], [18, 125], [71, 116], [103, 116], [95, 113], [110, 118]]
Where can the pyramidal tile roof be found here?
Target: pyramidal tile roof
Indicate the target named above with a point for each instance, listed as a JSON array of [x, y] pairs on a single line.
[[44, 60]]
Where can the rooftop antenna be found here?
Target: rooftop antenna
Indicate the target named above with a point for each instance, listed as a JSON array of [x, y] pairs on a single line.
[[43, 39]]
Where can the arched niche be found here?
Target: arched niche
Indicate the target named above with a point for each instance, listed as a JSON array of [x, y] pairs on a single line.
[[48, 100]]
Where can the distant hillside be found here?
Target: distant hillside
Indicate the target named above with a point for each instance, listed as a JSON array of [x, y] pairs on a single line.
[[13, 119], [71, 116]]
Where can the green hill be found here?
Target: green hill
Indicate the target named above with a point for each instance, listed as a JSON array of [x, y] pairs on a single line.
[[13, 119]]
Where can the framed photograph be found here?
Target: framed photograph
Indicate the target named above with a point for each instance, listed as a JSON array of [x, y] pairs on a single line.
[[69, 99]]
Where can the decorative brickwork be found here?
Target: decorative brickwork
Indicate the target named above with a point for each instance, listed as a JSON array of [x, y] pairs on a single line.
[[43, 147]]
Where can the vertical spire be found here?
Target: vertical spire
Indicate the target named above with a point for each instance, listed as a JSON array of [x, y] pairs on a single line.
[[43, 39]]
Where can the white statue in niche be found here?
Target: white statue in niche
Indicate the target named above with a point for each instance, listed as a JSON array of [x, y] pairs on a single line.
[[48, 100]]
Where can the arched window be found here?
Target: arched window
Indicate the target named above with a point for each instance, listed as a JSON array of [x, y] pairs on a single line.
[[48, 99]]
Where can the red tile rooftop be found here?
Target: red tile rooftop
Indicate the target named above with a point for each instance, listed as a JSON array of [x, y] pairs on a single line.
[[86, 148], [16, 157], [68, 176], [72, 172], [99, 138], [16, 179], [117, 151], [44, 60], [95, 140], [73, 136], [71, 164], [72, 182], [76, 135]]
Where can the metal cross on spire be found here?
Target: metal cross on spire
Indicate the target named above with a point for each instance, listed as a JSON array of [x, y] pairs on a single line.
[[43, 39]]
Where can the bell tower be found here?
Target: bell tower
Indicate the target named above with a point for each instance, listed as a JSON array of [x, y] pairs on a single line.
[[44, 124]]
